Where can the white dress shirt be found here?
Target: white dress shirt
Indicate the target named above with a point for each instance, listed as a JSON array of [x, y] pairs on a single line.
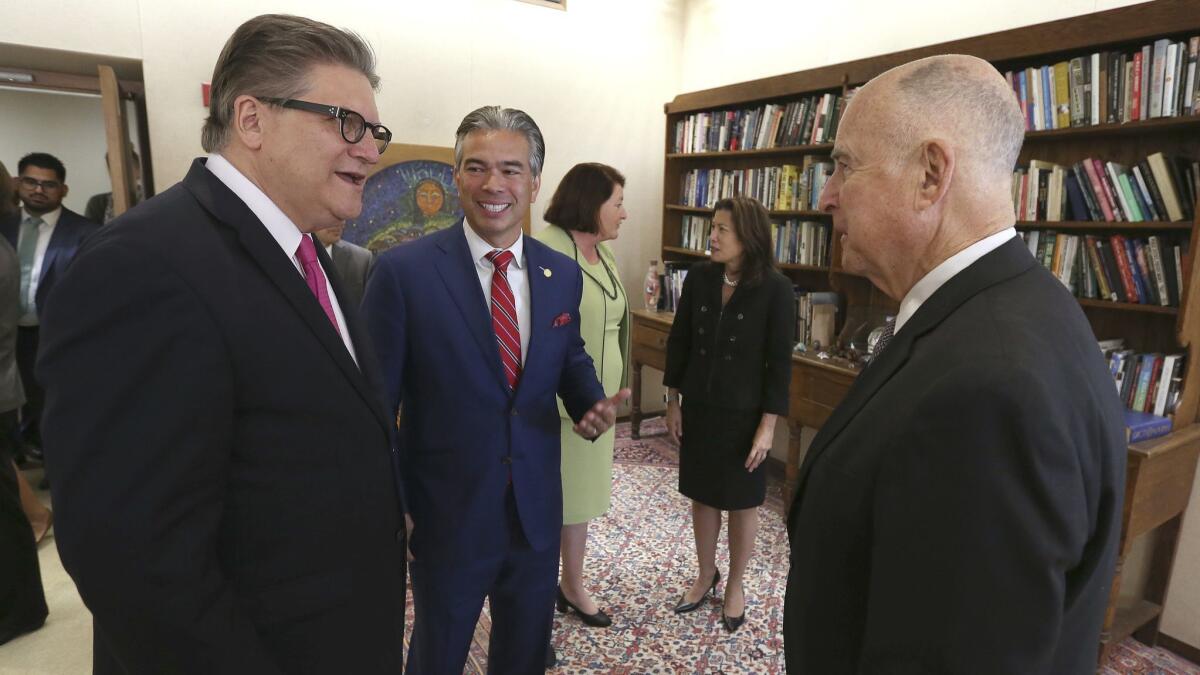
[[517, 275], [45, 231], [928, 285], [282, 229]]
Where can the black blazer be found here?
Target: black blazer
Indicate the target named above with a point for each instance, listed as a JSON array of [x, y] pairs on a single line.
[[960, 511], [70, 232], [221, 468], [738, 357]]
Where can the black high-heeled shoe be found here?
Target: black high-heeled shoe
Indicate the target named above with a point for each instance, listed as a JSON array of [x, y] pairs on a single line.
[[732, 623], [684, 606], [597, 620]]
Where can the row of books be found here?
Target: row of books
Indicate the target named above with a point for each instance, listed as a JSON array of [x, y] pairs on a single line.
[[670, 283], [694, 231], [1109, 87], [1158, 188], [801, 242], [807, 121], [1146, 382], [816, 318], [781, 188], [1146, 271]]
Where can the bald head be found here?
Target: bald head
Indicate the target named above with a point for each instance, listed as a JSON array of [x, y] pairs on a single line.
[[960, 99]]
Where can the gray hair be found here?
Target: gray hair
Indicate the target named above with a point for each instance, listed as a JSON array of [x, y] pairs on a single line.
[[493, 117], [953, 92], [270, 56]]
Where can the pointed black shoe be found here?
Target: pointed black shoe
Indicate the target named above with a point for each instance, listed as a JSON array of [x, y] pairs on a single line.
[[732, 623], [597, 620], [684, 607]]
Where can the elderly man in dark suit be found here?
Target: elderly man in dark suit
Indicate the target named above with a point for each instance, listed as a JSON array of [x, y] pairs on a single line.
[[960, 510], [46, 236], [221, 460], [352, 262]]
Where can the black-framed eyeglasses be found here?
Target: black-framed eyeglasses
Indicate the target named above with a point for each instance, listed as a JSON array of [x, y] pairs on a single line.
[[354, 125], [33, 184]]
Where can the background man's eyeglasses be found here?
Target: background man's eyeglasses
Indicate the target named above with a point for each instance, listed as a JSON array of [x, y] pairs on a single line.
[[354, 125], [33, 184]]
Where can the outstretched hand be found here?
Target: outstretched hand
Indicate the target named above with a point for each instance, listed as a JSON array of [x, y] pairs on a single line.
[[602, 415]]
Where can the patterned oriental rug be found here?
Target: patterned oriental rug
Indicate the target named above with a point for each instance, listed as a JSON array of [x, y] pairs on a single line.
[[640, 560]]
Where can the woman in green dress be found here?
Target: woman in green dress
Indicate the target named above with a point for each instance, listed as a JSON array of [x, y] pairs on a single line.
[[586, 211]]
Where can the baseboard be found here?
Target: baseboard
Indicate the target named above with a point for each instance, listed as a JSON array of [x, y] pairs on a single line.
[[1180, 648]]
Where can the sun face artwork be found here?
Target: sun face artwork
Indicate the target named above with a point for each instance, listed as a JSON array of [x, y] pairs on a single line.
[[403, 201]]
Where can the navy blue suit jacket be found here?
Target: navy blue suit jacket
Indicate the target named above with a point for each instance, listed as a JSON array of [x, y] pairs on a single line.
[[69, 233], [461, 431]]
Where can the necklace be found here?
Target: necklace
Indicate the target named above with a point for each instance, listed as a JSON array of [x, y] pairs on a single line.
[[611, 278], [731, 284]]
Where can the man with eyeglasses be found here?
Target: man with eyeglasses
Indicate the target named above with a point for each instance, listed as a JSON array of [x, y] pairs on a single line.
[[222, 464], [46, 236]]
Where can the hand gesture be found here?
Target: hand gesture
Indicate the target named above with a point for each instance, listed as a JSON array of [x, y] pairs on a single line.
[[602, 415], [675, 421]]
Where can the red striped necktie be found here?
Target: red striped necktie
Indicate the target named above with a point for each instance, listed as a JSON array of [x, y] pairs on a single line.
[[504, 317]]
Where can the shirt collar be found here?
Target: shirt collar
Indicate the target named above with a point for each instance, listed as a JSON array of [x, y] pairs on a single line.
[[282, 229], [480, 248], [49, 220], [951, 266]]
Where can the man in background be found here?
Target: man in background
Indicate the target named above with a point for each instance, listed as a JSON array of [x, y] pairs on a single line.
[[352, 262], [46, 236], [960, 511], [221, 461], [99, 208]]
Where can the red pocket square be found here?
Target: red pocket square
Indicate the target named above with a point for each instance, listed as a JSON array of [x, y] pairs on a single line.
[[562, 319]]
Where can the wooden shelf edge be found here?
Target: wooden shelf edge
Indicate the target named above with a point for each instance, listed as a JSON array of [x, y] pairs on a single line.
[[686, 251], [1186, 435], [819, 148], [1128, 306], [1181, 225], [786, 266], [707, 211], [1122, 129], [1129, 618]]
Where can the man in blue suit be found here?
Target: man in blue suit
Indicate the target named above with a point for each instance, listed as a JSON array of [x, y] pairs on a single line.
[[46, 236], [477, 331]]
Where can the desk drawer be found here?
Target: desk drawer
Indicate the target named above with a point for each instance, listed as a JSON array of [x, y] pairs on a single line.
[[649, 337]]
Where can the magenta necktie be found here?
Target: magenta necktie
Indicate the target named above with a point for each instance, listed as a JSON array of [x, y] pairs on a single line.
[[504, 317], [315, 277]]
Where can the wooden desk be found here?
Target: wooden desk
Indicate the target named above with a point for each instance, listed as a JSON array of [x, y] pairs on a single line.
[[1158, 479]]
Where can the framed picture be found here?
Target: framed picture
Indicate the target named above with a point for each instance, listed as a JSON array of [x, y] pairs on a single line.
[[408, 194]]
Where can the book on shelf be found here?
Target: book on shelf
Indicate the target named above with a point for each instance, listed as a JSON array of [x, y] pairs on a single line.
[[781, 188], [1140, 426], [810, 120], [1114, 267], [816, 317], [1146, 382], [1159, 188], [671, 282], [800, 242], [1161, 79], [694, 232]]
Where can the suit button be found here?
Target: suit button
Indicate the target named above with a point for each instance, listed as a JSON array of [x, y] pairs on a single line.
[[506, 460], [702, 351], [733, 338], [739, 316], [514, 412], [703, 308], [702, 331]]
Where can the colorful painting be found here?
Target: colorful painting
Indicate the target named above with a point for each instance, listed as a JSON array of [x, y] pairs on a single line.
[[411, 193]]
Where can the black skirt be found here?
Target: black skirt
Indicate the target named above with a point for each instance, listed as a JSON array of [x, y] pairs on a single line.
[[712, 457]]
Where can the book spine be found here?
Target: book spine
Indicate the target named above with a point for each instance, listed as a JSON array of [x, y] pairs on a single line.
[[1121, 257]]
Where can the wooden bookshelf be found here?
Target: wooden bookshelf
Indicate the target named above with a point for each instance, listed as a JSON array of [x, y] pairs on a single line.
[[1160, 474]]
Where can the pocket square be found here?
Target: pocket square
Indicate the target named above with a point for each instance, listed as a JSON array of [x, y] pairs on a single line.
[[562, 319]]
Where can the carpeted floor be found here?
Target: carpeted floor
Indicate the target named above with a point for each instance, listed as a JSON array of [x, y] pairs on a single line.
[[640, 560]]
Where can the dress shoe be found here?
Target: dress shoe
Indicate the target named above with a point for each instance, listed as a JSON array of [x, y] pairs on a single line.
[[598, 620], [684, 606], [732, 623]]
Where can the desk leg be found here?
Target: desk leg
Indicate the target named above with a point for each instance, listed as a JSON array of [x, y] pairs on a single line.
[[791, 472], [1162, 561], [635, 406]]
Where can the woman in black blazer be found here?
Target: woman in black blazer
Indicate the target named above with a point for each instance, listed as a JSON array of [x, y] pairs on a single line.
[[729, 355]]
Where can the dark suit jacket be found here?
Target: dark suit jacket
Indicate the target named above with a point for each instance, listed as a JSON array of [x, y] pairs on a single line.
[[960, 510], [221, 468], [461, 432], [737, 357], [353, 264], [72, 229], [12, 394]]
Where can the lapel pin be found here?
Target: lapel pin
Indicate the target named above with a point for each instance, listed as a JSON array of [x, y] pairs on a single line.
[[546, 272]]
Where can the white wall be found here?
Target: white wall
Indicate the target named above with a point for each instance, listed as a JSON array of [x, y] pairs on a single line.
[[105, 27], [69, 127]]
